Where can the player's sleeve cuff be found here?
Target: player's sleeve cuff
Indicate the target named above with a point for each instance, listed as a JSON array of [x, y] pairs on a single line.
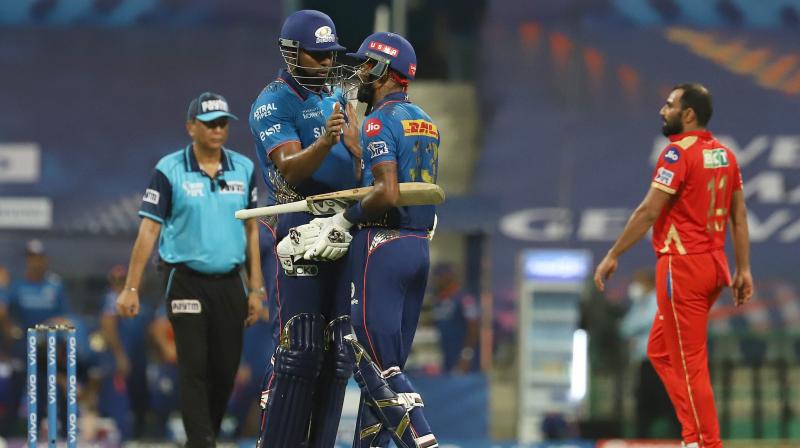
[[662, 187], [155, 218]]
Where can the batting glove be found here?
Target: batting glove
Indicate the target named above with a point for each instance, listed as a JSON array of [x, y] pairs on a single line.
[[333, 240], [292, 247]]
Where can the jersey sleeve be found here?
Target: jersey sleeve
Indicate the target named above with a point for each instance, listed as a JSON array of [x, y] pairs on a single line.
[[271, 123], [379, 143], [157, 199], [670, 171]]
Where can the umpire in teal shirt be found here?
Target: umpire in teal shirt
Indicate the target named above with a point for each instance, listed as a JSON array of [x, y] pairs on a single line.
[[189, 207]]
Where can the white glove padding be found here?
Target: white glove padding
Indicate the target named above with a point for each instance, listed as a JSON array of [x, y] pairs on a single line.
[[333, 239], [292, 247]]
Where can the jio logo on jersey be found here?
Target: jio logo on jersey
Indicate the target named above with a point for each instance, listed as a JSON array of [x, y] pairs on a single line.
[[372, 127], [672, 155]]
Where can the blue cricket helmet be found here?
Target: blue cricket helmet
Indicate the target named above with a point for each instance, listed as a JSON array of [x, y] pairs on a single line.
[[391, 50], [310, 30]]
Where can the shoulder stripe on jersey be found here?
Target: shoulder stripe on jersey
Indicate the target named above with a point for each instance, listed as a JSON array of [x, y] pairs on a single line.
[[291, 88], [663, 188], [685, 143], [151, 216]]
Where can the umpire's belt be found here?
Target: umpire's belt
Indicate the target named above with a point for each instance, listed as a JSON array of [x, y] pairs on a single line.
[[183, 269]]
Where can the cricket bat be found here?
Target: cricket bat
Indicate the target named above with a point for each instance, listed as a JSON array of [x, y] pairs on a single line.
[[411, 193]]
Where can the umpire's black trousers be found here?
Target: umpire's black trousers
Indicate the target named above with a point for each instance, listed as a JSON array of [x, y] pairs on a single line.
[[207, 313]]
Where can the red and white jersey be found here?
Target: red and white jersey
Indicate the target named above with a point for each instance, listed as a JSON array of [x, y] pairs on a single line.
[[702, 175]]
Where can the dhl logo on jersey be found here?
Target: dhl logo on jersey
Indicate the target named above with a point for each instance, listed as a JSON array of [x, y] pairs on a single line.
[[420, 127]]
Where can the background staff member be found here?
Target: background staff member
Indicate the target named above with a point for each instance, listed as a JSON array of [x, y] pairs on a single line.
[[191, 201]]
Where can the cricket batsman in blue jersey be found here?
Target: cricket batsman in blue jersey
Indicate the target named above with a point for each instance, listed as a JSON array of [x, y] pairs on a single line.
[[388, 257], [306, 146]]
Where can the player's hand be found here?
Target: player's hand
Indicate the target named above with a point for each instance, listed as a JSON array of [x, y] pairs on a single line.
[[253, 307], [352, 132], [128, 303], [298, 241], [604, 271], [742, 286], [333, 126], [333, 240]]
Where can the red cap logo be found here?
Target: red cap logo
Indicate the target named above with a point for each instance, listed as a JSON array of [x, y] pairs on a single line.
[[372, 127], [412, 69]]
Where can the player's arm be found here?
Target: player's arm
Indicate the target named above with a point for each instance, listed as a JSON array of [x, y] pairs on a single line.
[[109, 328], [740, 233], [255, 278], [471, 315], [636, 228], [159, 330], [128, 301], [385, 194], [297, 164]]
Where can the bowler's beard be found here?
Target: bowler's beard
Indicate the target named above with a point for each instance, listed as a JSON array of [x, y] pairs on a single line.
[[672, 127], [366, 94]]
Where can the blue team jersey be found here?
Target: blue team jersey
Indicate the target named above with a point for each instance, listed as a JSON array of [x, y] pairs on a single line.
[[31, 303], [285, 112], [401, 132], [196, 212]]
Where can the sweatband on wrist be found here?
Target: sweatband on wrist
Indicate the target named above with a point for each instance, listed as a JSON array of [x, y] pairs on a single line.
[[355, 214]]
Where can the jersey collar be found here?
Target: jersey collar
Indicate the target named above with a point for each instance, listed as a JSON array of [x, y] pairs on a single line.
[[700, 133], [190, 161], [394, 97], [299, 90]]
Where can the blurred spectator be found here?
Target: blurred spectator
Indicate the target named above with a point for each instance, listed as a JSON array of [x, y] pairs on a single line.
[[126, 340], [456, 315], [8, 387], [37, 298], [162, 374], [652, 402]]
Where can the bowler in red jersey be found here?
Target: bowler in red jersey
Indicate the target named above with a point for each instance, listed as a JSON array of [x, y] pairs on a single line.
[[695, 192]]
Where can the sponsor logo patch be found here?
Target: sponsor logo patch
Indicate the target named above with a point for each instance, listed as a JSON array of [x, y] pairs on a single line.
[[715, 158], [412, 69], [664, 176], [274, 129], [233, 187], [264, 110], [312, 113], [372, 127], [186, 306], [214, 105], [419, 127], [383, 48], [324, 34], [672, 155], [193, 189], [378, 148], [151, 196]]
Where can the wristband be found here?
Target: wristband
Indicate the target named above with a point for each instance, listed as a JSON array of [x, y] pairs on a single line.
[[355, 214], [261, 290], [132, 289]]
